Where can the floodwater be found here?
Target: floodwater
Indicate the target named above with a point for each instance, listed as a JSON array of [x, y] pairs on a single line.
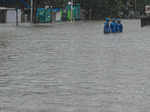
[[67, 67]]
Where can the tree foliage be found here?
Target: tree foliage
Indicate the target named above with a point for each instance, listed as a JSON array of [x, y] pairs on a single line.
[[103, 8]]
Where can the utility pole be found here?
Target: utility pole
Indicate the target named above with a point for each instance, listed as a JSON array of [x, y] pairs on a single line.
[[135, 8], [71, 10], [71, 4], [31, 9], [16, 16]]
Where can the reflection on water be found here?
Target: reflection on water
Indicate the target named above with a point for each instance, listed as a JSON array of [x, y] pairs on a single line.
[[3, 44], [74, 68]]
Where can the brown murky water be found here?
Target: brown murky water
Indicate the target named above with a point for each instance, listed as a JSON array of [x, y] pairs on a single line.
[[74, 68]]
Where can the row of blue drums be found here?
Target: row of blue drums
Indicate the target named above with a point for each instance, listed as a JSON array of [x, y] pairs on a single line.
[[113, 27]]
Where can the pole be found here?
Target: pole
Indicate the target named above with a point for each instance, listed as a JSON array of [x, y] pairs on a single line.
[[135, 9], [16, 16], [31, 8], [70, 3], [71, 11]]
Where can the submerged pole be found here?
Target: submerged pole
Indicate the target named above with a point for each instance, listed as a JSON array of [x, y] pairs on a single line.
[[71, 10], [31, 9], [16, 16]]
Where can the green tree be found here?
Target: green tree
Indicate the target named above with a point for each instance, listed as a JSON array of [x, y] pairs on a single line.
[[103, 8]]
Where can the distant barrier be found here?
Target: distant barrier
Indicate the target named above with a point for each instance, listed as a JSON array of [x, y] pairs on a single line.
[[57, 14], [40, 15]]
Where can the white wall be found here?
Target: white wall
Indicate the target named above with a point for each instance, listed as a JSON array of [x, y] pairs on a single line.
[[11, 16]]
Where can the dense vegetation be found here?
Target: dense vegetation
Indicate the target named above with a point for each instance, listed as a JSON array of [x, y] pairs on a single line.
[[102, 8]]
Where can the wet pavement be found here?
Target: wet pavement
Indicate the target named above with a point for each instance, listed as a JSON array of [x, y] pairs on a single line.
[[74, 68]]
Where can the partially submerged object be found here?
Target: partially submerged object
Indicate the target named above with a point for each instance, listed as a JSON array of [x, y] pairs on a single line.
[[107, 26], [119, 26], [145, 21], [114, 27]]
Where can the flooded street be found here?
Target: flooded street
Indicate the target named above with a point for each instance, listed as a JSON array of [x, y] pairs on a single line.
[[74, 68]]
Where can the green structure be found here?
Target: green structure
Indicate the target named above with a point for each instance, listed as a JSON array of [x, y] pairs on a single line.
[[75, 12], [44, 15]]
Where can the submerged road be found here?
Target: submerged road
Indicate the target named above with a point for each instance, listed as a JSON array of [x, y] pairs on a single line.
[[74, 68]]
